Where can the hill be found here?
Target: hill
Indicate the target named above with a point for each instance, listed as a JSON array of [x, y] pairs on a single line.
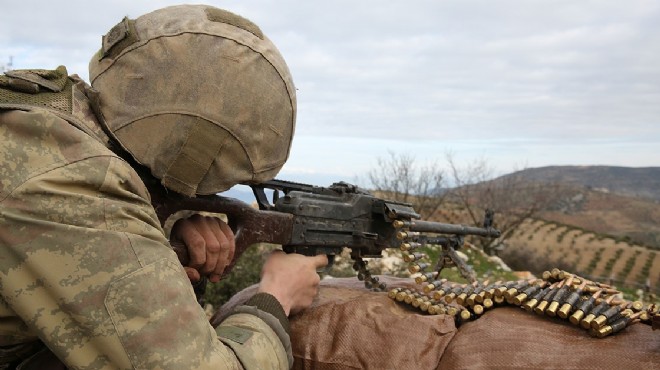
[[638, 182]]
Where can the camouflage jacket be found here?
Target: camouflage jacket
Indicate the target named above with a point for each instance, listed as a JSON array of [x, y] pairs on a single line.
[[84, 265]]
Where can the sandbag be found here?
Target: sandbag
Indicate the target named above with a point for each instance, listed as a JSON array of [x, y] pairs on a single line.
[[512, 338], [349, 327]]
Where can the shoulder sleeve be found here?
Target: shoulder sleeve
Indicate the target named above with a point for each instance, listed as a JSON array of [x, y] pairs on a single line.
[[85, 263]]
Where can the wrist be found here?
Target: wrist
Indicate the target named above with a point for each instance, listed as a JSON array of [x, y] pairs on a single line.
[[268, 303], [279, 297]]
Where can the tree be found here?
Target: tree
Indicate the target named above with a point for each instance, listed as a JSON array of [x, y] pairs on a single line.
[[399, 178], [512, 197]]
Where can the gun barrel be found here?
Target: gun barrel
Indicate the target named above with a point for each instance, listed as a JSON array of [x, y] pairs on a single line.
[[441, 228]]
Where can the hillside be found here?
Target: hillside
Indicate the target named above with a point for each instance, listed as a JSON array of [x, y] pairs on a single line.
[[539, 245], [603, 222], [642, 182]]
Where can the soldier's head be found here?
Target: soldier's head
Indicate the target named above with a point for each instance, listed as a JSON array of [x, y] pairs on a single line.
[[197, 94]]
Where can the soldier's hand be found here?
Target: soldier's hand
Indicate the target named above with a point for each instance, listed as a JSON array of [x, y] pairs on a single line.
[[292, 279], [210, 244]]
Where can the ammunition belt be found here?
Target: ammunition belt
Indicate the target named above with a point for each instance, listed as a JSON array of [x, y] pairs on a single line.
[[593, 306]]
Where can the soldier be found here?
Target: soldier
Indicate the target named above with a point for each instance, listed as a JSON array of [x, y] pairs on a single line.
[[194, 97]]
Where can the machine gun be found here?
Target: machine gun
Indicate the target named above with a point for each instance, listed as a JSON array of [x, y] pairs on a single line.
[[313, 220]]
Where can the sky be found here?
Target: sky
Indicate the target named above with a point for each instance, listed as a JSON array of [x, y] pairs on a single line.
[[517, 83]]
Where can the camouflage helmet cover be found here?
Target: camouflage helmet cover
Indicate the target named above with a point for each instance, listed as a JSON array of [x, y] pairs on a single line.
[[197, 94]]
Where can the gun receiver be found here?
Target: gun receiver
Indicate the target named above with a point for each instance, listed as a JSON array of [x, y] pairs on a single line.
[[312, 220]]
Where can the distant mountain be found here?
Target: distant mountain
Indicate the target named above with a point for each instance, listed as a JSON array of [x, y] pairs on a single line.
[[639, 182]]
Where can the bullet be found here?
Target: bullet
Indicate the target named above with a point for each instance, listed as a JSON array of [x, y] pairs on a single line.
[[417, 267], [392, 293], [586, 322], [437, 309], [583, 308], [398, 224], [427, 276], [401, 295], [545, 301], [601, 319], [454, 292], [403, 235], [571, 301], [559, 297], [434, 285], [405, 247], [413, 257], [529, 291], [615, 327], [510, 293]]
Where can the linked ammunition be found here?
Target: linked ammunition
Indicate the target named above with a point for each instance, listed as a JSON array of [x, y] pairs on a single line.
[[584, 308], [545, 301], [402, 294], [434, 285], [462, 297], [529, 291], [465, 315], [605, 316], [510, 293], [471, 299], [437, 309], [398, 224], [405, 235], [454, 292], [530, 304], [424, 306], [406, 247], [419, 300], [616, 326], [427, 276], [558, 298], [410, 297], [417, 267], [488, 292], [392, 293], [571, 301], [597, 310], [488, 303], [412, 257]]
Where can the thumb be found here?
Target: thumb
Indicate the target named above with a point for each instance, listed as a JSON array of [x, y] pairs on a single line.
[[320, 260]]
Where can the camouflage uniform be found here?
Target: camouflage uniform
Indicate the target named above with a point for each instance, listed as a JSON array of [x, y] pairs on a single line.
[[84, 265]]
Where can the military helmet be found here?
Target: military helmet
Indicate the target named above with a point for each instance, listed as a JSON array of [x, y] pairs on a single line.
[[197, 94]]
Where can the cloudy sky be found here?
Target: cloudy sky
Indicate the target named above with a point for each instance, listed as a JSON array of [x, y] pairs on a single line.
[[525, 83]]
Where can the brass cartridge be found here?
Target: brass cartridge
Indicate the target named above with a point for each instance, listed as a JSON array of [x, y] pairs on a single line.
[[545, 301], [434, 285], [405, 235], [401, 295], [427, 276], [558, 298], [616, 326], [571, 301], [595, 312], [606, 315], [583, 308], [413, 257], [410, 246], [392, 293], [417, 267]]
